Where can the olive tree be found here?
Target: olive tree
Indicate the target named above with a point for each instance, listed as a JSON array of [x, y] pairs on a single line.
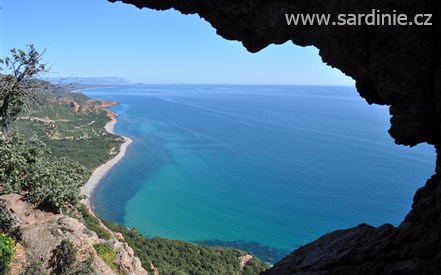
[[17, 83]]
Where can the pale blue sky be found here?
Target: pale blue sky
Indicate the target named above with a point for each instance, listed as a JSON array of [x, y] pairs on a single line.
[[98, 38]]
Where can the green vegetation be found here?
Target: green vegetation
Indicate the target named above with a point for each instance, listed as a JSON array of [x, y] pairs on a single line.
[[266, 253], [35, 267], [7, 250], [70, 124], [83, 268], [93, 223], [33, 162], [28, 168], [178, 257], [78, 134], [7, 219], [63, 257], [63, 261], [106, 254], [17, 86]]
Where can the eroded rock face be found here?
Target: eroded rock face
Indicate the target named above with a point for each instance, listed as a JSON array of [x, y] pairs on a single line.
[[398, 66], [41, 232]]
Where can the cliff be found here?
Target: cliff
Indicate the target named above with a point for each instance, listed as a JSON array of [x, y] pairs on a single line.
[[41, 232], [398, 66]]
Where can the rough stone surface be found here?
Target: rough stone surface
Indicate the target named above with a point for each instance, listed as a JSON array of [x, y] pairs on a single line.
[[19, 263], [41, 232], [119, 236], [244, 260], [399, 66]]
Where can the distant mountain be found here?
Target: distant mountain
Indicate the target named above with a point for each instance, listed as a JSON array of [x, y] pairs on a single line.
[[108, 80]]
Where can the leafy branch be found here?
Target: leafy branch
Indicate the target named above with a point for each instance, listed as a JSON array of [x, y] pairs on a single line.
[[18, 84]]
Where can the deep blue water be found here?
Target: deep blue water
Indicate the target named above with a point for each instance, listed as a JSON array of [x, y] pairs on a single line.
[[275, 165]]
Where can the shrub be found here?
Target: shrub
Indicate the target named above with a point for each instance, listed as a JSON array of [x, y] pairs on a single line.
[[7, 219], [55, 184], [106, 254], [28, 168], [93, 223], [7, 250], [63, 257], [35, 267], [64, 261], [178, 257], [83, 268]]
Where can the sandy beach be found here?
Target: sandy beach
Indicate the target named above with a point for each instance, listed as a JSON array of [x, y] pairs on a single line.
[[102, 170]]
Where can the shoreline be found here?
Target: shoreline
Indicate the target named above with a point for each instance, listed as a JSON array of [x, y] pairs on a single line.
[[91, 88], [101, 171]]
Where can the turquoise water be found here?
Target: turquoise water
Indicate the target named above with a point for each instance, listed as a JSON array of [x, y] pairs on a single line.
[[275, 165]]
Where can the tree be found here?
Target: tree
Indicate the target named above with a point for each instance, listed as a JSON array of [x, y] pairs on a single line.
[[27, 167], [17, 86]]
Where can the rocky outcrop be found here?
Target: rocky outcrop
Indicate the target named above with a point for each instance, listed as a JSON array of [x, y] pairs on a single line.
[[244, 260], [92, 105], [399, 66], [41, 232], [75, 105], [102, 104]]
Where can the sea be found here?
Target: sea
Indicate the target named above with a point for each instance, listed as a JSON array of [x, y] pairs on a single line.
[[265, 169]]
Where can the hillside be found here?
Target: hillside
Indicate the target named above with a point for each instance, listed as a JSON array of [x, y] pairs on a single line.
[[71, 124]]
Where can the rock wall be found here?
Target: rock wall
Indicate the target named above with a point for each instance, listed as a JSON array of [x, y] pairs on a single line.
[[399, 66]]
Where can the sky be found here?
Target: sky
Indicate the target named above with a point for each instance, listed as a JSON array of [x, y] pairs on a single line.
[[96, 38]]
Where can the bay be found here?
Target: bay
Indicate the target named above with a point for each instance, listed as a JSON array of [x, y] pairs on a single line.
[[265, 168]]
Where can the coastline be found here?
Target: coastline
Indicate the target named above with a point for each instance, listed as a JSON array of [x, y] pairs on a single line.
[[100, 172], [91, 88]]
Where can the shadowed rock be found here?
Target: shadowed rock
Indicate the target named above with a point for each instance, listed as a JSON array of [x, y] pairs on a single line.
[[399, 66]]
